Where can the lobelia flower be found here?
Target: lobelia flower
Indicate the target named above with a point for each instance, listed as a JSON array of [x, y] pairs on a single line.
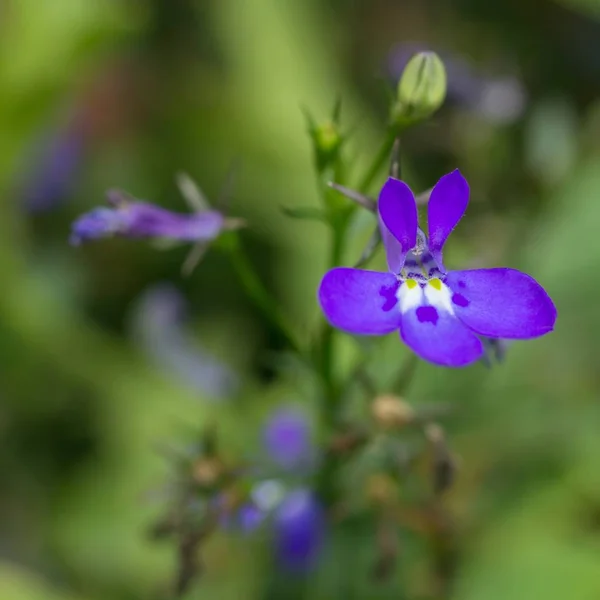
[[286, 438], [299, 530], [440, 313], [295, 516]]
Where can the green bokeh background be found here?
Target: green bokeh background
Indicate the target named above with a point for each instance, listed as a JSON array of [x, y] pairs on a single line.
[[166, 85]]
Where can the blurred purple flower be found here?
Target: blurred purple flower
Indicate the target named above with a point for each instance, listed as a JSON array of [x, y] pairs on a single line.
[[245, 519], [158, 325], [52, 171], [287, 440], [299, 530], [136, 219], [501, 100]]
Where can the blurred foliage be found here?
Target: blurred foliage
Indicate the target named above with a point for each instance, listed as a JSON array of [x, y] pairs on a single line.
[[159, 86]]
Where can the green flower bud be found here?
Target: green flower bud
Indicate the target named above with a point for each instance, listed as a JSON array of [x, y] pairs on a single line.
[[327, 137], [421, 90]]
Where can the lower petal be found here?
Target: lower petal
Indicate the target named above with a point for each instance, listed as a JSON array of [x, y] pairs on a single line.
[[361, 302], [439, 337], [501, 303]]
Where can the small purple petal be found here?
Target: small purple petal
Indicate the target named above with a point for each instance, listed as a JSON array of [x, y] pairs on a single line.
[[146, 220], [398, 214], [299, 527], [447, 204], [439, 337], [250, 517], [96, 224], [245, 519], [360, 302], [502, 303], [393, 249], [287, 438]]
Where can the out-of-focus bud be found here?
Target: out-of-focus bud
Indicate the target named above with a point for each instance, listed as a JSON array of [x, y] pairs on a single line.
[[381, 490], [327, 139], [421, 90], [391, 412], [207, 471]]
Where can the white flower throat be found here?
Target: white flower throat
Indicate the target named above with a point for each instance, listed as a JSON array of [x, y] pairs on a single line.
[[422, 281]]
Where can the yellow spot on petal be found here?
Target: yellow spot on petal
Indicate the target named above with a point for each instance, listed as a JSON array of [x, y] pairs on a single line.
[[436, 284], [411, 283]]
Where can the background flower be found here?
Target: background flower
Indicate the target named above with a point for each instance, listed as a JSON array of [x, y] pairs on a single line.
[[158, 325]]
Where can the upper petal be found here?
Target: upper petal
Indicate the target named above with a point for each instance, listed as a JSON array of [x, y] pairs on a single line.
[[433, 332], [398, 213], [361, 302], [501, 303], [447, 204], [394, 254]]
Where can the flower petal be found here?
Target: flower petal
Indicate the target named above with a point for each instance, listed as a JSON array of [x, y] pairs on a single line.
[[393, 249], [447, 204], [299, 528], [98, 223], [148, 220], [361, 302], [433, 332], [286, 438], [501, 303], [398, 212], [439, 337]]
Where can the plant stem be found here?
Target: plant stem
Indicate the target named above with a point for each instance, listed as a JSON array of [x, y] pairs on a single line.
[[327, 335], [261, 297], [337, 247], [380, 159]]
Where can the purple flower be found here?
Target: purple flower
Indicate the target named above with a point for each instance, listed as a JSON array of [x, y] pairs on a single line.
[[439, 313], [299, 528], [287, 439], [136, 219], [246, 519]]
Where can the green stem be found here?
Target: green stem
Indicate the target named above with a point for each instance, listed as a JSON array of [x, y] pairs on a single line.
[[327, 336], [261, 297], [337, 248], [407, 372], [333, 392], [380, 159]]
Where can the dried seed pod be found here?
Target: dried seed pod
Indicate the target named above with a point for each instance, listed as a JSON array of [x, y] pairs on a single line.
[[444, 462], [391, 412]]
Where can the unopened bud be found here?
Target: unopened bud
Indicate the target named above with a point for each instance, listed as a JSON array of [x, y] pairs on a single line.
[[381, 490], [207, 471], [421, 90], [391, 412], [327, 137], [327, 142]]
